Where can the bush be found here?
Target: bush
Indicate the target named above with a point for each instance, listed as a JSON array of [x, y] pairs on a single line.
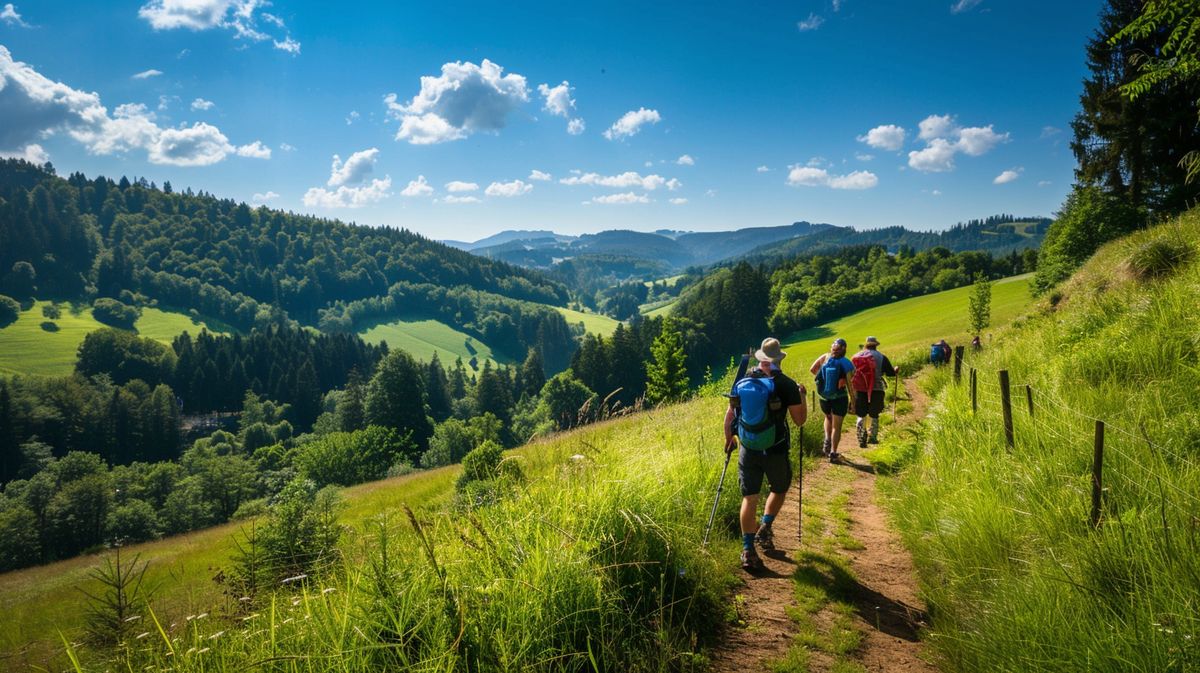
[[347, 458], [133, 521], [114, 313], [9, 310], [1089, 218]]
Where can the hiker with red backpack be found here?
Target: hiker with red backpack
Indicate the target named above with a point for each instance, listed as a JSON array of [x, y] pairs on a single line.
[[832, 371], [870, 371], [757, 420]]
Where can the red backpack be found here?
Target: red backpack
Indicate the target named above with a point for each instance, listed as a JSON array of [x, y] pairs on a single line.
[[863, 380]]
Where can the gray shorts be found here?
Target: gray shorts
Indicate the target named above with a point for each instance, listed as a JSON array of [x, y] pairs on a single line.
[[753, 466]]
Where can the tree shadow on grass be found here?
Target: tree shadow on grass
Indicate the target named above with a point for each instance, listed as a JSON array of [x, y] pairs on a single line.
[[49, 326], [830, 574]]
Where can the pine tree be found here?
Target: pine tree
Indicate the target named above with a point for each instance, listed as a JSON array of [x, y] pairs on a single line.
[[533, 374], [351, 409], [437, 390], [10, 450], [396, 398], [666, 371], [492, 396]]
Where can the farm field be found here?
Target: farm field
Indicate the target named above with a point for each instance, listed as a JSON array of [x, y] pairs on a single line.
[[592, 322], [423, 338], [28, 348]]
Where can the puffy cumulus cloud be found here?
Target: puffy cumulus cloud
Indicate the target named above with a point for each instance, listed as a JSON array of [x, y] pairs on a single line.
[[201, 104], [465, 99], [508, 189], [631, 123], [452, 199], [576, 127], [813, 22], [147, 74], [263, 198], [944, 138], [619, 199], [10, 16], [349, 197], [678, 201], [542, 176], [1007, 176], [36, 107], [418, 187], [809, 176], [33, 153], [686, 160], [623, 181], [963, 6], [460, 186], [557, 100], [255, 150], [354, 170], [886, 137], [239, 16]]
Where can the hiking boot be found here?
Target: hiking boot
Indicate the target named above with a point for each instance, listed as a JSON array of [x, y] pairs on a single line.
[[834, 457], [765, 538], [750, 560], [862, 437], [826, 446], [873, 439]]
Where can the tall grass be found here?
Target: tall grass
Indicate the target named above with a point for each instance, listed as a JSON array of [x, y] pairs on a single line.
[[1016, 578]]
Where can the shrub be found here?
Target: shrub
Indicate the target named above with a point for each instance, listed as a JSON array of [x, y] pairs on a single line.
[[9, 310], [114, 313], [133, 521], [1159, 257], [347, 458]]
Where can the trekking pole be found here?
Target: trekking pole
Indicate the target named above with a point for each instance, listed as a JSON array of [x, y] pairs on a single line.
[[894, 396], [720, 484], [800, 492]]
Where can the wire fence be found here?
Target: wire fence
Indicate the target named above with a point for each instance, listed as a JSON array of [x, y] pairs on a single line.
[[1036, 417]]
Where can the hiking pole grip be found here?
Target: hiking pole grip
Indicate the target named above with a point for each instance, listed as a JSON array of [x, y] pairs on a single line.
[[720, 485]]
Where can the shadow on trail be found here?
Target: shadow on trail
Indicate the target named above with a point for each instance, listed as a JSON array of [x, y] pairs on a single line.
[[829, 574], [861, 467]]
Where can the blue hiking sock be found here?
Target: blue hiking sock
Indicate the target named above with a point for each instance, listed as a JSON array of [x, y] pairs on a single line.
[[767, 519], [747, 540]]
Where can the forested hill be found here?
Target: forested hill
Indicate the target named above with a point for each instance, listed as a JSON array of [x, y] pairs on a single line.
[[224, 258]]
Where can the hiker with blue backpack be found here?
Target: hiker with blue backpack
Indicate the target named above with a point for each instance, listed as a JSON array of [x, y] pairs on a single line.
[[870, 370], [757, 421], [833, 371]]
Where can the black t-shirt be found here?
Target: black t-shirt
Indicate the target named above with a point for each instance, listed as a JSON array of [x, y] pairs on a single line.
[[789, 393]]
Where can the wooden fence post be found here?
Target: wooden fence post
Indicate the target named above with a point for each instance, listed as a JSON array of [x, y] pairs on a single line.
[[958, 358], [974, 399], [1097, 469], [1006, 407], [1029, 398]]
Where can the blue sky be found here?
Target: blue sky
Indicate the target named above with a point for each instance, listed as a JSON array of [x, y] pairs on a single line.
[[458, 120]]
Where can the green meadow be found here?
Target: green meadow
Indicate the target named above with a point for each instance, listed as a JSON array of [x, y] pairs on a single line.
[[595, 323], [35, 345], [423, 338]]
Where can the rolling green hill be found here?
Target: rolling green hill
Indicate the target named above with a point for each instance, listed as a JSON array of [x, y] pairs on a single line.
[[423, 338], [31, 346], [592, 322]]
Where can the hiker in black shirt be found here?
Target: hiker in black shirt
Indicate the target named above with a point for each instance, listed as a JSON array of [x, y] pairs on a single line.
[[773, 461]]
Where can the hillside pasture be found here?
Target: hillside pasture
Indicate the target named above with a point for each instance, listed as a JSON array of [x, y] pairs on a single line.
[[422, 338], [594, 323]]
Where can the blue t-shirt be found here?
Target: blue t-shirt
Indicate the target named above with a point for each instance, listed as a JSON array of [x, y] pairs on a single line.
[[833, 370]]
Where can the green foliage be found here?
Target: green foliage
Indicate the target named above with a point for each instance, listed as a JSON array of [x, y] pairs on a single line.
[[566, 400], [51, 311], [111, 613], [980, 306], [124, 356], [1089, 218], [666, 371], [486, 475], [115, 313], [348, 458], [453, 439], [301, 532], [1160, 257], [9, 310], [132, 521], [396, 398]]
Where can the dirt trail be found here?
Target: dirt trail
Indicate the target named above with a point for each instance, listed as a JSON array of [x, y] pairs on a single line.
[[887, 611]]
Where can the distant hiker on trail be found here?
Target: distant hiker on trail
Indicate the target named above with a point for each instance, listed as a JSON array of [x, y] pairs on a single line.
[[760, 407], [975, 344], [939, 353], [871, 369], [833, 371]]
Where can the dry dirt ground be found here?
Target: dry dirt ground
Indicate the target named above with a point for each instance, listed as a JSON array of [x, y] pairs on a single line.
[[881, 602]]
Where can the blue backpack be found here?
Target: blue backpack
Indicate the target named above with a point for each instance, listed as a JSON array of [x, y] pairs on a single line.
[[828, 377], [760, 408]]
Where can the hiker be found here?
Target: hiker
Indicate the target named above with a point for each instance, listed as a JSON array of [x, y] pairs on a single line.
[[939, 353], [760, 407], [976, 345], [832, 371], [871, 368]]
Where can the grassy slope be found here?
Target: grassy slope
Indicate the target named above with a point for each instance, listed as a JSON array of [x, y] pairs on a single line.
[[592, 322], [27, 348], [1015, 577], [423, 338]]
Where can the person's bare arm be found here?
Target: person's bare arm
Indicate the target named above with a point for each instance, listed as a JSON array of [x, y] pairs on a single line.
[[730, 442], [816, 365]]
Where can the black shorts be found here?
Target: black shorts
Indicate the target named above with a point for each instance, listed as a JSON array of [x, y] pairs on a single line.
[[861, 408], [836, 407], [753, 466]]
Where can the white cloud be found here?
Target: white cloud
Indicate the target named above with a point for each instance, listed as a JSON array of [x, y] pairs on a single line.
[[239, 16], [460, 186], [944, 138], [36, 107], [576, 126], [201, 104], [678, 201], [460, 199], [623, 181], [710, 193], [263, 198], [1049, 132], [936, 192], [10, 16], [631, 123], [288, 44], [352, 117], [1007, 176], [466, 98], [813, 22], [147, 74], [284, 147], [535, 174], [886, 137], [165, 101], [816, 161], [620, 199], [418, 187], [963, 6], [809, 176], [837, 5], [255, 150], [686, 160], [348, 197], [508, 189], [33, 153], [762, 169], [354, 170], [1044, 183], [558, 101], [864, 157]]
